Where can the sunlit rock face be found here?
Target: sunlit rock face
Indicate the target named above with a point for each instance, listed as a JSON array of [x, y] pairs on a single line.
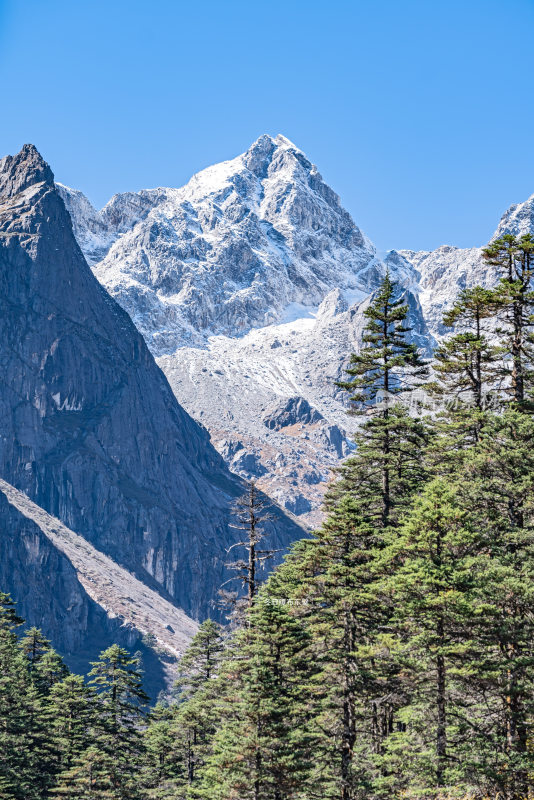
[[249, 285], [228, 251], [89, 427]]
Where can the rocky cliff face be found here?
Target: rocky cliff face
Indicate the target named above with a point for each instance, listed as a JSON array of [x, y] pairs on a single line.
[[89, 428], [249, 285], [228, 251], [241, 282], [80, 598], [447, 270]]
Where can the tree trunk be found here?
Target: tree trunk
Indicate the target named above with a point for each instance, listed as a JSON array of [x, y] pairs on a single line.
[[252, 549], [517, 362], [349, 721], [441, 733], [386, 494]]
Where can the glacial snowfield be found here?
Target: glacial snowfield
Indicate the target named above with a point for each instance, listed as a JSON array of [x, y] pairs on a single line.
[[249, 284]]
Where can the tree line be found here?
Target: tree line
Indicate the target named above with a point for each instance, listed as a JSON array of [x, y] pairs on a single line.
[[391, 655]]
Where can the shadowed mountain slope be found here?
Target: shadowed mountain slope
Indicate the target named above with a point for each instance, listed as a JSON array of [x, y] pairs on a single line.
[[89, 428]]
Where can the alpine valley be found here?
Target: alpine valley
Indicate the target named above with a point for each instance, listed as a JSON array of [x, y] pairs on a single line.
[[116, 508], [160, 353], [248, 285]]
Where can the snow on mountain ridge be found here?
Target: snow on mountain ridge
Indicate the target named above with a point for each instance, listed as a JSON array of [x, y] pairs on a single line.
[[228, 251], [250, 284], [518, 219]]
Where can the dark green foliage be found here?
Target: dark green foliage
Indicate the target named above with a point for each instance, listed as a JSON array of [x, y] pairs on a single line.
[[263, 748], [513, 258], [109, 767], [46, 667], [379, 366], [200, 662], [388, 466], [392, 653], [467, 366], [164, 769], [71, 711]]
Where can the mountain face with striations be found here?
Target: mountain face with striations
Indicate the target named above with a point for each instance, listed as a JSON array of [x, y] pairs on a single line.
[[447, 270], [231, 250], [249, 285], [245, 284], [91, 434]]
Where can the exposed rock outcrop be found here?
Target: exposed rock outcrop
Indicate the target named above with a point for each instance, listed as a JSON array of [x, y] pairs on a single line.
[[260, 252], [82, 600], [292, 411], [89, 428], [228, 251]]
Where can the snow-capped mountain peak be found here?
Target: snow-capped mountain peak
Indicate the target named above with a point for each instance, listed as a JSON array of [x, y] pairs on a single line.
[[227, 252], [518, 219]]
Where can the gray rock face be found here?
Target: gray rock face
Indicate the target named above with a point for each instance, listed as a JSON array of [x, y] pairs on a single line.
[[235, 384], [50, 595], [18, 173], [253, 243], [89, 428], [252, 278], [518, 219], [447, 270], [291, 412], [228, 251]]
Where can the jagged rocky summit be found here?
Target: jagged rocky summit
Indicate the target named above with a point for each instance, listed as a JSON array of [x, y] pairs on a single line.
[[249, 285], [228, 251], [91, 433], [241, 283]]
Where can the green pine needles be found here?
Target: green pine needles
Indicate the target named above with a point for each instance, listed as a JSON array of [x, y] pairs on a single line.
[[391, 655]]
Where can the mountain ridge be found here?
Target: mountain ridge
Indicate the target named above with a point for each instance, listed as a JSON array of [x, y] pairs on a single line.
[[90, 430], [169, 270]]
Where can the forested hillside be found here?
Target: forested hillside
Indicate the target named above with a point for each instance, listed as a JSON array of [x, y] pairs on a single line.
[[391, 655]]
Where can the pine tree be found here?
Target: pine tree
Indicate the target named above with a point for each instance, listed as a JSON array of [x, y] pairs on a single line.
[[164, 773], [178, 739], [46, 667], [436, 562], [498, 486], [377, 368], [90, 778], [111, 766], [387, 466], [466, 364], [22, 756], [200, 662], [70, 710], [194, 718], [261, 751], [513, 256], [250, 514], [327, 582]]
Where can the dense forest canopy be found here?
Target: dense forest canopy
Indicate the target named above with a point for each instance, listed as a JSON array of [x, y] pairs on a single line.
[[392, 653]]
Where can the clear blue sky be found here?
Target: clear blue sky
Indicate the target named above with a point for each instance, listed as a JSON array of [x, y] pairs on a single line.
[[419, 113]]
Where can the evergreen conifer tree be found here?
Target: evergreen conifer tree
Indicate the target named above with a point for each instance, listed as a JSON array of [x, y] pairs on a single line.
[[250, 514], [262, 749], [164, 773], [387, 466], [70, 710], [194, 719], [46, 667], [513, 256], [435, 565], [23, 753], [200, 662], [498, 486], [110, 767]]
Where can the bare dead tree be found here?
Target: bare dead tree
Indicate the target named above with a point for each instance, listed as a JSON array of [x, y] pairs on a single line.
[[250, 512]]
